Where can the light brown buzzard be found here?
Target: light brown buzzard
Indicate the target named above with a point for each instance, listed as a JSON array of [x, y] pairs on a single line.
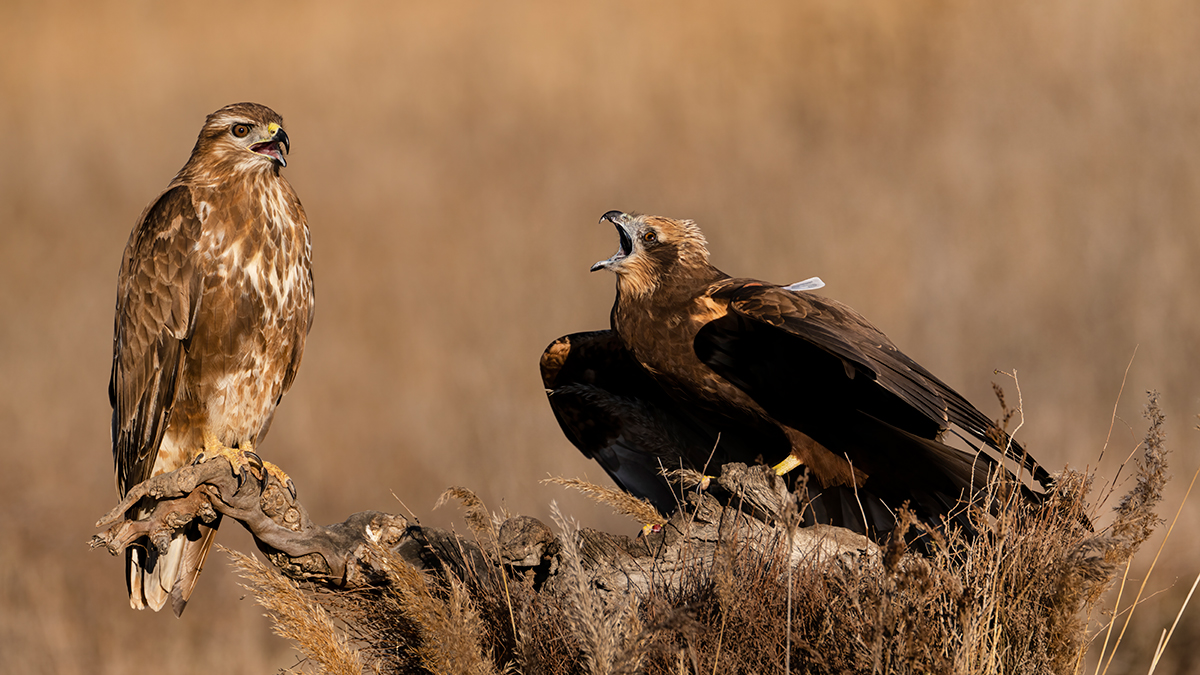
[[214, 301]]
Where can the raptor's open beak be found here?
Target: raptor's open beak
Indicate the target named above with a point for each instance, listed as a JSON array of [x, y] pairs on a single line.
[[276, 146], [621, 221]]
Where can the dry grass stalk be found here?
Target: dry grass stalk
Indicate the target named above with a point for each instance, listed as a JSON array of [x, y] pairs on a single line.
[[606, 624], [1136, 517], [452, 633], [297, 616], [474, 512], [1166, 638], [485, 527], [620, 501]]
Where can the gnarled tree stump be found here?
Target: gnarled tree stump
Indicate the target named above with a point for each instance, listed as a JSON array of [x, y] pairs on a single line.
[[753, 511]]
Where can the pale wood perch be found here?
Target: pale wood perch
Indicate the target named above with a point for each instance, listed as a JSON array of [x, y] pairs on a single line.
[[746, 505]]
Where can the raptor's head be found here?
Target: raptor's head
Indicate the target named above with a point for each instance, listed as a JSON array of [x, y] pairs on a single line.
[[652, 248], [247, 136]]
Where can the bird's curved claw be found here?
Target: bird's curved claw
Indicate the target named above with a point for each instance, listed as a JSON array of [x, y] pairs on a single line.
[[284, 479], [243, 463], [256, 466]]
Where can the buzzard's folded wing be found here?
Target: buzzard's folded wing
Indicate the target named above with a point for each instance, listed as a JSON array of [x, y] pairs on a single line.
[[158, 294]]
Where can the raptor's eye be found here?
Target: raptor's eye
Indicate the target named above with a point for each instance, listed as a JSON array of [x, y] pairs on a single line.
[[650, 237], [240, 130]]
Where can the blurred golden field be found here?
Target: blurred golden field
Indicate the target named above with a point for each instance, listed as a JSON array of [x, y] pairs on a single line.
[[997, 185]]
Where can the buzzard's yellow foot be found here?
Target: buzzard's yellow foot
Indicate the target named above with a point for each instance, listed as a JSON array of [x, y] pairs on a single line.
[[243, 460], [284, 479], [787, 465]]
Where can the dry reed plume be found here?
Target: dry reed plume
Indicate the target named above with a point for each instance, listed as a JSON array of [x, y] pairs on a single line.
[[618, 500]]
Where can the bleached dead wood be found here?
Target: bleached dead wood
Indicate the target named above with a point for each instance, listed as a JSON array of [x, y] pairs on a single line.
[[745, 506]]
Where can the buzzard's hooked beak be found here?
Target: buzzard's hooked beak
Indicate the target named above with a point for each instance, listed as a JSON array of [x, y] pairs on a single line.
[[621, 221], [276, 146]]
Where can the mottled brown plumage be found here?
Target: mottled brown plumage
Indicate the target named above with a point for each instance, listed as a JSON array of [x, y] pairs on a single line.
[[214, 301], [701, 368]]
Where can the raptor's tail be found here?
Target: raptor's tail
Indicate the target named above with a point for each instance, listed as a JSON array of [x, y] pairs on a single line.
[[154, 578]]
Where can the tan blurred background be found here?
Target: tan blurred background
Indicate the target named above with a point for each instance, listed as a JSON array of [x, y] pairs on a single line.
[[997, 185]]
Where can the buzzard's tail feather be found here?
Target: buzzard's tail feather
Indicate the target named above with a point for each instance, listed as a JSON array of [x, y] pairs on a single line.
[[192, 562], [135, 562], [156, 580], [153, 579]]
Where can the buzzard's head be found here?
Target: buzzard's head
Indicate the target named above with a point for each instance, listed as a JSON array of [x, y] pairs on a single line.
[[243, 136], [653, 247]]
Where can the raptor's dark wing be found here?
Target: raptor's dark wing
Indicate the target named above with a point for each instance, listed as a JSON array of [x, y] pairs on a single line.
[[158, 295], [792, 350], [612, 409], [609, 408], [614, 412], [819, 367]]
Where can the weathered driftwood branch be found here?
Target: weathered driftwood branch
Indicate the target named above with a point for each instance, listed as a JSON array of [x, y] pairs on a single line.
[[745, 505]]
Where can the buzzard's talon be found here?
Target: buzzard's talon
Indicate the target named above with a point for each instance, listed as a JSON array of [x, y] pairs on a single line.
[[256, 466], [280, 476], [243, 462]]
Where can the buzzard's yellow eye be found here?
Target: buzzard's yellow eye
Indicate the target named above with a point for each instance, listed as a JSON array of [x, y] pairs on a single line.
[[650, 237], [240, 130]]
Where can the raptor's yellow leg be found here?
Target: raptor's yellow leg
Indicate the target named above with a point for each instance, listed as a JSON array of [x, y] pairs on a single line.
[[243, 460], [791, 462]]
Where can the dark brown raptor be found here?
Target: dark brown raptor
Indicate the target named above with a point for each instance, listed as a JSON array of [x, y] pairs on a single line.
[[700, 369]]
